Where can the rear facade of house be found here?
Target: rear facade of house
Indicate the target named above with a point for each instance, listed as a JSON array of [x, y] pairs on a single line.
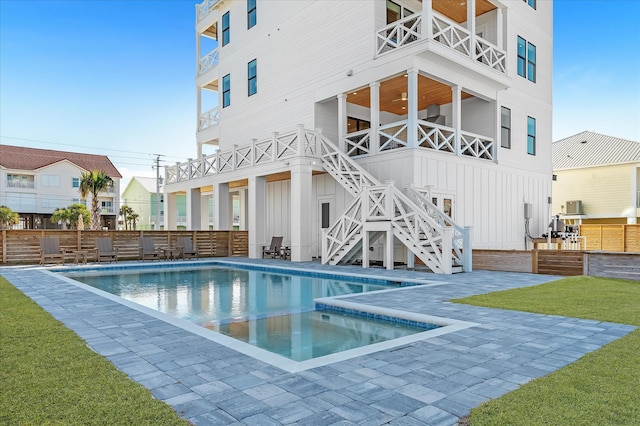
[[364, 131]]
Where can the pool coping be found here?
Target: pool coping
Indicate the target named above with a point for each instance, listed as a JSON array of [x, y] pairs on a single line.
[[446, 325]]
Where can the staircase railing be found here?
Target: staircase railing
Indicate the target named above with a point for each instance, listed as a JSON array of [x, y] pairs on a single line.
[[412, 225], [461, 241], [345, 229]]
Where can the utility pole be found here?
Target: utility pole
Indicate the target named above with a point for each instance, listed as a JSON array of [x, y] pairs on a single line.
[[157, 167]]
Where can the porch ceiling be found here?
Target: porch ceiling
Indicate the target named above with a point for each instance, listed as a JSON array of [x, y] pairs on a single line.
[[391, 94], [457, 9]]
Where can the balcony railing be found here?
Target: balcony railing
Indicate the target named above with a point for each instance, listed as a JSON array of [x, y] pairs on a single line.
[[107, 210], [279, 147], [209, 61], [203, 9], [430, 135], [408, 30], [21, 184], [302, 142], [209, 119]]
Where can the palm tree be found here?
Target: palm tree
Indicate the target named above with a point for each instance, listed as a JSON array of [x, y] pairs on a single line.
[[125, 211], [92, 183], [62, 215], [8, 217]]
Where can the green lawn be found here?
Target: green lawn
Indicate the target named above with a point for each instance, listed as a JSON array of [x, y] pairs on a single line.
[[601, 388], [49, 376]]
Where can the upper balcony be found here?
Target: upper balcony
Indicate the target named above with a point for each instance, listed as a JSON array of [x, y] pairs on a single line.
[[206, 15], [446, 23]]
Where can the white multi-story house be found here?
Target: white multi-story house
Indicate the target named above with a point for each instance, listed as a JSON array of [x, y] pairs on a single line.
[[35, 182], [373, 130]]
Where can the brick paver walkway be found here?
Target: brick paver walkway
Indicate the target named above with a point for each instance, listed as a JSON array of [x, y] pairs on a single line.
[[430, 382]]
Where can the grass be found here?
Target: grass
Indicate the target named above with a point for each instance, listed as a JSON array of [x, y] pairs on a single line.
[[49, 376], [601, 388]]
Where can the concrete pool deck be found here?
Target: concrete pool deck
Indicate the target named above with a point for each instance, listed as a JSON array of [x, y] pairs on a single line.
[[430, 382]]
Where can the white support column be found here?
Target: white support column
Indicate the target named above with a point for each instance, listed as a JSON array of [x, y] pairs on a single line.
[[257, 215], [204, 211], [244, 211], [301, 186], [193, 209], [221, 220], [170, 211], [499, 28], [374, 116], [496, 128], [471, 26], [388, 249], [365, 248], [342, 120], [198, 112], [456, 115], [412, 108], [427, 19]]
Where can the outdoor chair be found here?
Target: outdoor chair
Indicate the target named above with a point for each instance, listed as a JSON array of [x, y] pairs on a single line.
[[50, 249], [105, 251], [274, 249], [148, 249], [187, 248]]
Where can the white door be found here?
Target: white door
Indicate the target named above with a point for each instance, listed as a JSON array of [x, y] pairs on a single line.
[[326, 216]]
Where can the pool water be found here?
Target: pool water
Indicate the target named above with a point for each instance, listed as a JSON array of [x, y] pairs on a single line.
[[273, 311]]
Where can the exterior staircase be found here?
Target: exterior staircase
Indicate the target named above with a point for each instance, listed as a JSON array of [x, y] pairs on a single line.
[[378, 209]]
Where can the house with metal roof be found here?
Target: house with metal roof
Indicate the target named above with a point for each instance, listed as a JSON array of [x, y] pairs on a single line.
[[596, 179], [35, 182]]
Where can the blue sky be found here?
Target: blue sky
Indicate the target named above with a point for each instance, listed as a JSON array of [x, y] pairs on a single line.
[[117, 77]]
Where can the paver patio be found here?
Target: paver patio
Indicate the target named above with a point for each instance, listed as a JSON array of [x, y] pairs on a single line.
[[434, 381]]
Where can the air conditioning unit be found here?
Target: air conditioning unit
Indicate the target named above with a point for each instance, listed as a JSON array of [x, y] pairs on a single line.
[[574, 207]]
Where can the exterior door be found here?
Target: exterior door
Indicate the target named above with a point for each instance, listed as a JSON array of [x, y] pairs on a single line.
[[325, 219], [444, 202]]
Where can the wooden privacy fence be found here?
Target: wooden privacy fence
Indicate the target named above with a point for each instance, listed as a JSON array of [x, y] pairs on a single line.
[[23, 246], [560, 262], [612, 238]]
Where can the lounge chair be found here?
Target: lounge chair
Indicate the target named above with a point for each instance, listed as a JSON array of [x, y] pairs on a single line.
[[50, 249], [148, 248], [105, 251], [273, 250], [187, 248]]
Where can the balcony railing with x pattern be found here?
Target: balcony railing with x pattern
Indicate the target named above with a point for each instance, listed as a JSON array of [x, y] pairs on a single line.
[[430, 135], [408, 30], [280, 146], [209, 61]]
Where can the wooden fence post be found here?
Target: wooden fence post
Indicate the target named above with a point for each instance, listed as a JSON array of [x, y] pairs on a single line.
[[534, 261]]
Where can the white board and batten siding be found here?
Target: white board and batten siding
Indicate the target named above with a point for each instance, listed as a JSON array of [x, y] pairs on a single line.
[[286, 81]]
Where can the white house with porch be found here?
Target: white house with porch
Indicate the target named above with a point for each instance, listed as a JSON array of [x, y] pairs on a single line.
[[368, 131]]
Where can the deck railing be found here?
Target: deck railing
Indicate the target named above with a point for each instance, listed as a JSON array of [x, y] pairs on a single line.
[[408, 30], [209, 61], [430, 136], [209, 119], [203, 9]]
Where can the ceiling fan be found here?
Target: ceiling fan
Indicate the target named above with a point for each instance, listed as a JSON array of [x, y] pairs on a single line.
[[403, 98]]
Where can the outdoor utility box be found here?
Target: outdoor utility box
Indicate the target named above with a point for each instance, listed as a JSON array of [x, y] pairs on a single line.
[[574, 207], [528, 210]]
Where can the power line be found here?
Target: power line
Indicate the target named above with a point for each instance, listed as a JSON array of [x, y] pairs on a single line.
[[85, 147]]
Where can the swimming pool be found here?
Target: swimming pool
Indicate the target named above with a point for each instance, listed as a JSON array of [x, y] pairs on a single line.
[[271, 310]]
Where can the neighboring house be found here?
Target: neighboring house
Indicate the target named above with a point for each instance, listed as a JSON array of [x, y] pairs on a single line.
[[141, 194], [35, 182], [349, 125], [597, 179]]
